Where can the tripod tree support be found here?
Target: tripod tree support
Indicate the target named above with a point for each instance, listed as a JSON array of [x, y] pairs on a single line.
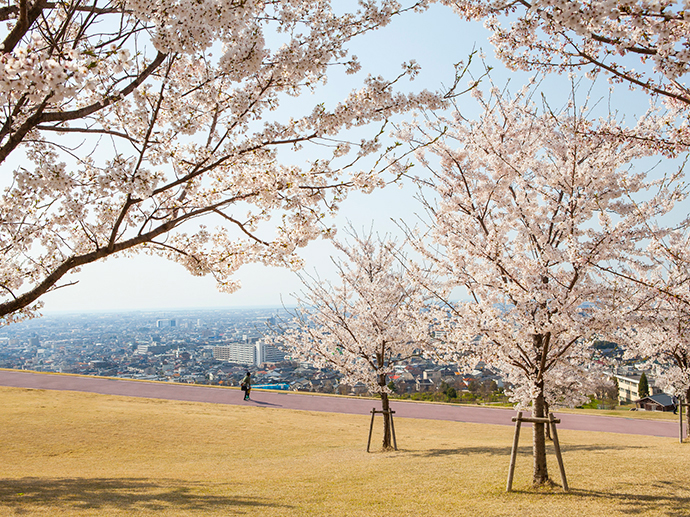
[[681, 405], [371, 426], [551, 421]]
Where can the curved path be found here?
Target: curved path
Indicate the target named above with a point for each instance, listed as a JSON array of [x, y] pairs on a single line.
[[307, 402]]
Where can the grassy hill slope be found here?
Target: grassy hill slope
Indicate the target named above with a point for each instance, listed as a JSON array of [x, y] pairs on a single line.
[[78, 454]]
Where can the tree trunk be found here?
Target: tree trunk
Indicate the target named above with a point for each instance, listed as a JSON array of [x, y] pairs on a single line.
[[385, 406], [541, 474]]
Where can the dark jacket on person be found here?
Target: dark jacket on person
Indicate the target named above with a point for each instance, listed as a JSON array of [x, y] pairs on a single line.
[[246, 382]]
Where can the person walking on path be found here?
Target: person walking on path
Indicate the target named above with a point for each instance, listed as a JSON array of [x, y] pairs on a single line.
[[246, 385]]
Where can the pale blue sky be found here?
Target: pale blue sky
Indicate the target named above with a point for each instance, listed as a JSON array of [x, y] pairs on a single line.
[[436, 39]]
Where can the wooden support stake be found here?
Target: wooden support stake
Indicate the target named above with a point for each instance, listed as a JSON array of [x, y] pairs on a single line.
[[371, 427], [680, 407], [557, 447], [513, 452], [537, 420], [552, 421], [395, 442], [680, 419]]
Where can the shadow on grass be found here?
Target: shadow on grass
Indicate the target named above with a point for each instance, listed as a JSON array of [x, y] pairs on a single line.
[[665, 498], [525, 449], [127, 495], [260, 403]]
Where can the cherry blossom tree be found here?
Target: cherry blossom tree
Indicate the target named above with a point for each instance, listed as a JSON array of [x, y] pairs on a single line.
[[373, 320], [131, 125], [525, 204], [642, 43]]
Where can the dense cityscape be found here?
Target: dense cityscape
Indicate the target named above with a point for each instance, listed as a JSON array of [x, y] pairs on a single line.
[[176, 346], [212, 346], [215, 346]]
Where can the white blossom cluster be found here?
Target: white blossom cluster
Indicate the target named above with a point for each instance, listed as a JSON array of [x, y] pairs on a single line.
[[643, 43], [565, 385], [31, 73]]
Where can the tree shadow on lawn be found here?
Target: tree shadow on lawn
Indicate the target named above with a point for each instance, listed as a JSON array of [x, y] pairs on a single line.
[[132, 495], [664, 498], [506, 450]]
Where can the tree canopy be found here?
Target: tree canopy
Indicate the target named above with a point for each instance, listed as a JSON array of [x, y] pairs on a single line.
[[375, 318], [134, 126]]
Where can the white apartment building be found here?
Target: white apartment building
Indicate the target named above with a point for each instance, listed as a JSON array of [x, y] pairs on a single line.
[[247, 353], [241, 353]]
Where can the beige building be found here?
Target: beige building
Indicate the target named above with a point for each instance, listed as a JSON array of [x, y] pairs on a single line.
[[628, 387]]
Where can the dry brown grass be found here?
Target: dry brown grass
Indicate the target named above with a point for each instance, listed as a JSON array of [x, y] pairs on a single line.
[[80, 454]]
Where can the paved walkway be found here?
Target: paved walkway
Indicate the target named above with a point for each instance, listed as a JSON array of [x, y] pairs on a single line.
[[307, 402]]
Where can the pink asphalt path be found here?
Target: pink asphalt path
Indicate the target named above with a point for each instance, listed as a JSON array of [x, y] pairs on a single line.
[[306, 402]]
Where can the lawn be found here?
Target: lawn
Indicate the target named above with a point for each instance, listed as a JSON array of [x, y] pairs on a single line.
[[81, 454]]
